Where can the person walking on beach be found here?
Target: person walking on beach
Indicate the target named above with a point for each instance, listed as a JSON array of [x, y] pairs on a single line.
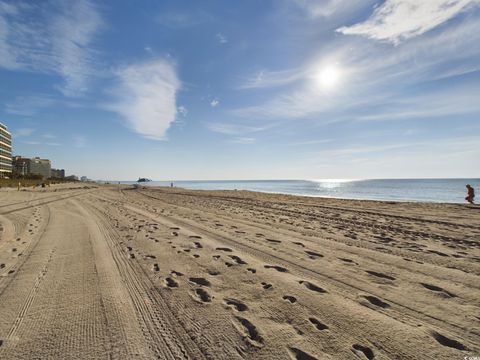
[[470, 194]]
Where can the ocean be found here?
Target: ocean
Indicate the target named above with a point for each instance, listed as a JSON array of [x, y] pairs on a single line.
[[417, 190]]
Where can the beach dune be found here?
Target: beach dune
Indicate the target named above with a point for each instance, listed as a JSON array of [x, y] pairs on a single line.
[[99, 271]]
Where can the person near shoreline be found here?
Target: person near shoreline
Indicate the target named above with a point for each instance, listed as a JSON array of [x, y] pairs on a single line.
[[470, 194]]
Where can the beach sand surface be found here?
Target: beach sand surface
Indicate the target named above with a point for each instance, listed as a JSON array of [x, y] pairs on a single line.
[[112, 272]]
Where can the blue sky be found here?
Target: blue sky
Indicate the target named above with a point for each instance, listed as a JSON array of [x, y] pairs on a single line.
[[269, 89]]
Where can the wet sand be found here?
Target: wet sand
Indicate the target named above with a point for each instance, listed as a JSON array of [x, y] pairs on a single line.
[[102, 272]]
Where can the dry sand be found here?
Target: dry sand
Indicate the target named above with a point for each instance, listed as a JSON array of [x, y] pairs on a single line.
[[109, 273]]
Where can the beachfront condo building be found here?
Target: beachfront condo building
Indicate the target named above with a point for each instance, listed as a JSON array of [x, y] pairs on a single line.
[[35, 166], [5, 152], [58, 173]]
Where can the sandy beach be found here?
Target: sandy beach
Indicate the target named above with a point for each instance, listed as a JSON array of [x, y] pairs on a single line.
[[109, 272]]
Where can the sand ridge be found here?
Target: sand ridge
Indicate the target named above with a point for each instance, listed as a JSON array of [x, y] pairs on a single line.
[[111, 272]]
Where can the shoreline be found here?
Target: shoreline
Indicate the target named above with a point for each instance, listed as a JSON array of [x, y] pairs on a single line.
[[166, 188]]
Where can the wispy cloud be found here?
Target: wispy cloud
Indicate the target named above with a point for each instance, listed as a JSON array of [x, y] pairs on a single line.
[[233, 129], [146, 97], [222, 39], [265, 78], [182, 110], [58, 40], [180, 20], [28, 105], [376, 77], [24, 132], [325, 8], [242, 140], [214, 103], [73, 32], [397, 20]]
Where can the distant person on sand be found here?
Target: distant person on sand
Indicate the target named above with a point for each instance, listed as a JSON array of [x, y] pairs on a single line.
[[470, 194], [171, 184]]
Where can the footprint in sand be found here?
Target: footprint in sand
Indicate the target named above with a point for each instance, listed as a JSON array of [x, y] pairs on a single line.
[[313, 254], [319, 325], [171, 283], [155, 268], [236, 304], [197, 245], [224, 249], [438, 290], [237, 259], [195, 237], [298, 243], [313, 287], [376, 301], [273, 241], [202, 295], [252, 270], [276, 267], [350, 261], [199, 281], [266, 286], [445, 341], [251, 332], [364, 350], [380, 275], [301, 355], [175, 273], [291, 299]]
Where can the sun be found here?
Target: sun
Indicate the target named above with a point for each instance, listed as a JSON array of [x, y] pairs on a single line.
[[328, 77]]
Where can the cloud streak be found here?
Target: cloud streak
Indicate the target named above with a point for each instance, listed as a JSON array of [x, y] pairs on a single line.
[[326, 8], [59, 41], [398, 20], [146, 97]]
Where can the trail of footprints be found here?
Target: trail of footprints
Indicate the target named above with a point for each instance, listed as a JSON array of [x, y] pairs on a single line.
[[251, 333]]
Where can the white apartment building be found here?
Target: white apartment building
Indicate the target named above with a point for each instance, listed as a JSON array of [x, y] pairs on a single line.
[[5, 152]]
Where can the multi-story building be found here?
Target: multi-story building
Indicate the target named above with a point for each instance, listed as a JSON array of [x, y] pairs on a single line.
[[58, 173], [35, 166], [5, 152]]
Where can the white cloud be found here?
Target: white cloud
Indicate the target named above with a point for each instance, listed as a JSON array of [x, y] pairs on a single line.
[[146, 97], [222, 39], [58, 41], [214, 103], [325, 8], [242, 140], [24, 132], [376, 77], [397, 20], [265, 78], [182, 110], [181, 20], [233, 129], [28, 105]]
